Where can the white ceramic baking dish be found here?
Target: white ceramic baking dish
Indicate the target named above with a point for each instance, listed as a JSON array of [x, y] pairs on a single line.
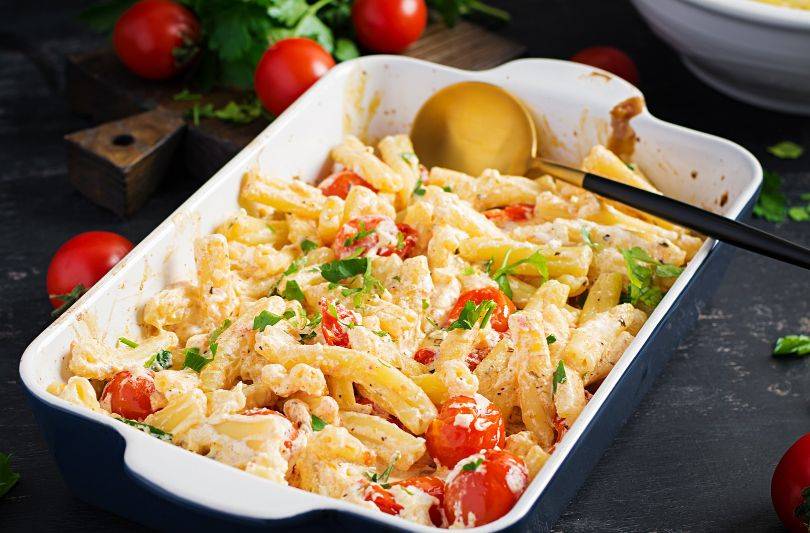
[[133, 474]]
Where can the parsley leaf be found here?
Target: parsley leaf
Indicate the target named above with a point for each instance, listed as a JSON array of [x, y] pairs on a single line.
[[186, 96], [149, 430], [418, 190], [642, 271], [341, 269], [771, 204], [160, 361], [266, 318], [7, 478], [195, 360], [292, 291], [470, 314], [238, 113], [127, 342], [586, 238], [551, 339], [795, 345], [345, 49], [317, 423], [212, 344], [559, 376], [799, 213], [536, 259], [473, 465], [786, 150], [362, 233], [382, 479], [307, 246], [409, 157]]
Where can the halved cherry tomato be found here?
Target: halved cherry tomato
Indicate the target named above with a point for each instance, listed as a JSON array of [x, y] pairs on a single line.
[[156, 39], [790, 486], [511, 213], [374, 235], [484, 487], [500, 315], [382, 498], [463, 427], [389, 26], [424, 356], [334, 332], [130, 395], [339, 183], [82, 261], [430, 485], [610, 59], [287, 69]]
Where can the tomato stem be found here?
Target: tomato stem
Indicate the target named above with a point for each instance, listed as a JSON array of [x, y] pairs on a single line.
[[68, 299]]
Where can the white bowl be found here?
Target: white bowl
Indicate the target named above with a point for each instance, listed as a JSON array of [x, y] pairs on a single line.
[[372, 97], [755, 52]]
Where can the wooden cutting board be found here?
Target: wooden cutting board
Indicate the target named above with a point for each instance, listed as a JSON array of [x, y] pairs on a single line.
[[142, 129]]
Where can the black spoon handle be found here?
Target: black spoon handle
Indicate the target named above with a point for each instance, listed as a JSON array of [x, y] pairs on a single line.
[[706, 222]]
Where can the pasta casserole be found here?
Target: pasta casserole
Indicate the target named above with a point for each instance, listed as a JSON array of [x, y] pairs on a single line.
[[414, 341]]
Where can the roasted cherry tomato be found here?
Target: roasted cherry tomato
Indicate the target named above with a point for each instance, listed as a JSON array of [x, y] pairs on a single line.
[[500, 315], [374, 235], [484, 487], [463, 427], [382, 498], [130, 394], [790, 486], [433, 486], [156, 39], [332, 327], [287, 69], [339, 183], [424, 356], [610, 59], [388, 26], [79, 263], [511, 213]]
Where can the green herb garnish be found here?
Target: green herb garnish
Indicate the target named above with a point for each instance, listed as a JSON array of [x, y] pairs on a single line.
[[127, 342], [551, 339], [292, 291], [382, 479], [7, 478], [786, 150], [362, 233], [195, 360], [340, 269], [771, 204], [586, 238], [159, 361], [307, 246], [470, 314], [642, 271], [536, 259], [794, 345], [317, 423], [559, 376], [149, 430], [266, 318], [473, 465], [418, 190], [186, 96]]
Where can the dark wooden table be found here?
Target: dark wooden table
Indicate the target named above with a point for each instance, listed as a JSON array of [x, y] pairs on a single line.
[[697, 455]]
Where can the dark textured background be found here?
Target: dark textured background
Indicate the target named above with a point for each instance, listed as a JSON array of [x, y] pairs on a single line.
[[697, 455]]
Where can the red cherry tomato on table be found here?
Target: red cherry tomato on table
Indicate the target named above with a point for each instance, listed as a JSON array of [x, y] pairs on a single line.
[[374, 234], [484, 487], [610, 59], [382, 498], [463, 427], [500, 315], [389, 26], [332, 327], [287, 69], [156, 39], [790, 486], [130, 394], [432, 486], [339, 183], [82, 261]]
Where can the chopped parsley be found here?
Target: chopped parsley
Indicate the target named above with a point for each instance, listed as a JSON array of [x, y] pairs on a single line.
[[586, 238], [418, 190], [771, 204], [381, 333], [409, 157], [786, 150], [295, 266], [7, 478], [340, 269], [317, 423], [551, 339], [425, 304], [559, 376], [307, 246], [195, 360], [472, 466], [793, 345], [160, 361], [362, 233], [186, 96], [471, 313], [799, 213], [536, 259], [447, 188], [642, 271], [212, 339], [149, 430], [126, 341], [292, 291], [266, 318], [468, 271], [400, 241], [382, 479]]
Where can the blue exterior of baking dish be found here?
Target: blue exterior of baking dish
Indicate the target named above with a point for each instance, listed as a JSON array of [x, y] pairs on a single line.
[[111, 485]]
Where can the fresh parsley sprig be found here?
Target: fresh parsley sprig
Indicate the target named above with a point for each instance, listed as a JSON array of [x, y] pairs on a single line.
[[559, 376], [536, 259], [159, 361], [266, 318], [470, 314], [786, 150], [771, 203], [642, 271], [7, 478], [195, 360], [149, 430], [382, 479], [792, 345]]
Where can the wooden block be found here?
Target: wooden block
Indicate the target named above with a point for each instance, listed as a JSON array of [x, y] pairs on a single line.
[[119, 164]]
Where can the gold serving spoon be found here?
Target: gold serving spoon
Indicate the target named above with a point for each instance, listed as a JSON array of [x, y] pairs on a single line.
[[470, 126]]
